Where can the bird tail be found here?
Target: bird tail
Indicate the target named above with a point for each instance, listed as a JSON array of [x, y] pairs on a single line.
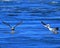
[[43, 23]]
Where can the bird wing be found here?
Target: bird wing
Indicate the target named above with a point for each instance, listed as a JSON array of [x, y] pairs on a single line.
[[48, 25], [43, 23], [18, 24], [6, 23]]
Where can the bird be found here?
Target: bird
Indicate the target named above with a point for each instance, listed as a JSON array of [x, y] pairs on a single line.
[[48, 26], [11, 27]]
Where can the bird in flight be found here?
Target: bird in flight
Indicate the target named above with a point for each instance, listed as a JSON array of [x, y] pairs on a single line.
[[54, 30], [12, 27]]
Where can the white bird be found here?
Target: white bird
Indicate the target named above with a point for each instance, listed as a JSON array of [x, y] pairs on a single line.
[[11, 27], [54, 30]]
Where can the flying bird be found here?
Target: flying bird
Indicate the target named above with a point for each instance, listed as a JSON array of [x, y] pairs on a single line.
[[54, 30], [11, 27]]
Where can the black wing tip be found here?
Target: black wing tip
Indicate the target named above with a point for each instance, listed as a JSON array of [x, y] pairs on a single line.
[[43, 23]]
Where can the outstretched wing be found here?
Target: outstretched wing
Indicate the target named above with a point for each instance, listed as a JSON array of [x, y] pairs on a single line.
[[6, 23], [43, 23], [18, 24]]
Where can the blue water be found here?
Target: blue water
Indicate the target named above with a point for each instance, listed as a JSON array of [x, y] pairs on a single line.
[[31, 33]]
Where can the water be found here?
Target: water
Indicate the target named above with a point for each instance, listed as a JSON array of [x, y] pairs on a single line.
[[30, 33]]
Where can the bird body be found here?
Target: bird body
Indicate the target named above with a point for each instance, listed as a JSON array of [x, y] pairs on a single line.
[[12, 28], [13, 31]]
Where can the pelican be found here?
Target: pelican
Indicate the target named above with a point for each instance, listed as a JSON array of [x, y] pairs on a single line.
[[54, 30], [11, 27]]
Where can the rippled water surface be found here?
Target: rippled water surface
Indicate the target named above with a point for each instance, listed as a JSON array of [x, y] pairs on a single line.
[[30, 33]]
